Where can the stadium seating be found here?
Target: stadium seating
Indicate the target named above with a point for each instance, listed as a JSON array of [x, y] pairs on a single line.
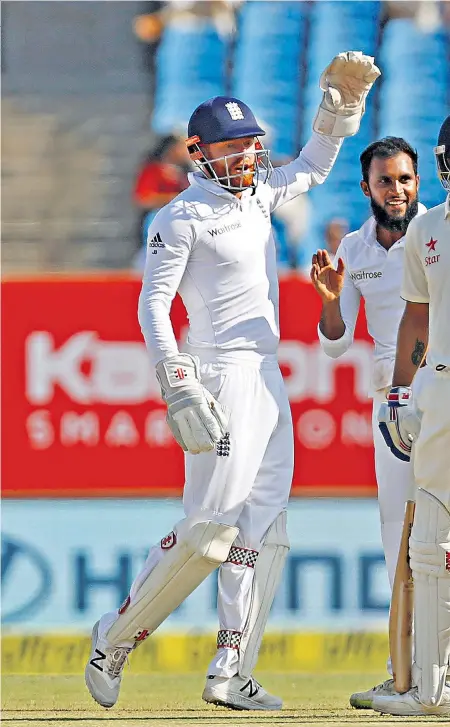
[[190, 67], [414, 96], [297, 40], [274, 31], [334, 27]]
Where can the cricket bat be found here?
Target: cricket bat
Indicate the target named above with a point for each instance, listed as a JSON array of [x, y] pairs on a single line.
[[401, 612]]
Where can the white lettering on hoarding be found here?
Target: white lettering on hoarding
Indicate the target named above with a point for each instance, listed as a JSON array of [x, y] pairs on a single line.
[[79, 428], [46, 367], [356, 428], [316, 429], [312, 374], [157, 430], [41, 434], [122, 431], [120, 372], [90, 372]]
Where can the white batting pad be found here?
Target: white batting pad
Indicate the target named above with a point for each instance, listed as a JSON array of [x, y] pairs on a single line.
[[196, 551], [268, 570], [429, 548]]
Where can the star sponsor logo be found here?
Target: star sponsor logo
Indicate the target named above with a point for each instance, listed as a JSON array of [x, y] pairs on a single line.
[[431, 259]]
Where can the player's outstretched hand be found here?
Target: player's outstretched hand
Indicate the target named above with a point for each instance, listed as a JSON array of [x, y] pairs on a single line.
[[327, 280], [345, 83], [197, 420]]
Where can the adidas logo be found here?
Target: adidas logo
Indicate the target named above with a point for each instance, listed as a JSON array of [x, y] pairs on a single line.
[[156, 242]]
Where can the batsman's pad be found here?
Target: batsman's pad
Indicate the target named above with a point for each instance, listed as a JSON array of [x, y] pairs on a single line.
[[429, 548], [197, 550], [266, 578]]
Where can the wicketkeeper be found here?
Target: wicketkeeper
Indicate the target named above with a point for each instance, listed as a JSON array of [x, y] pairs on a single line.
[[226, 400]]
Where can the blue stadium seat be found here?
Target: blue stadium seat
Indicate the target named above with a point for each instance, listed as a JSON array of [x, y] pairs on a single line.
[[274, 31], [334, 27], [414, 96], [190, 67]]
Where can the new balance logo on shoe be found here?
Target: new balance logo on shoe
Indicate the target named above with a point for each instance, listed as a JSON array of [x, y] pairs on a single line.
[[156, 242], [252, 686], [101, 657]]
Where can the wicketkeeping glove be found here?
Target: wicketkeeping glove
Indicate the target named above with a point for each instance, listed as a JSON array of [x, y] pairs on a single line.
[[196, 419], [345, 84], [399, 422]]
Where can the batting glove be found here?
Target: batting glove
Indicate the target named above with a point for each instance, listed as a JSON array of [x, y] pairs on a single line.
[[345, 84], [399, 422], [196, 419]]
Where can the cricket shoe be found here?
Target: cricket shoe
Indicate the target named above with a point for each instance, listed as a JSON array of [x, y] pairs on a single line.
[[103, 672], [239, 693], [364, 700], [409, 705]]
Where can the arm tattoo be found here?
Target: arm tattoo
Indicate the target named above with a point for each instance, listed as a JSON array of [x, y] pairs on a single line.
[[418, 353]]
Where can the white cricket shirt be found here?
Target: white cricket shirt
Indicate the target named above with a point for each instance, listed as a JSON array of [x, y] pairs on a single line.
[[375, 274], [218, 252], [426, 277]]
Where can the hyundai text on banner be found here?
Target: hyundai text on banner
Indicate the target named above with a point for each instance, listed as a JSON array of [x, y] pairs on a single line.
[[82, 410], [61, 567]]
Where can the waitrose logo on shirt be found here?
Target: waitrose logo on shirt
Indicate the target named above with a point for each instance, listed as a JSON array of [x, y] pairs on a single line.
[[365, 275]]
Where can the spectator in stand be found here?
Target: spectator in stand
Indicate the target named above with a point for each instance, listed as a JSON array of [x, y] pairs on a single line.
[[150, 26], [335, 230], [427, 14], [162, 176]]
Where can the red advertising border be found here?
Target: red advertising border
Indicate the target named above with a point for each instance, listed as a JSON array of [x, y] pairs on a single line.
[[330, 410]]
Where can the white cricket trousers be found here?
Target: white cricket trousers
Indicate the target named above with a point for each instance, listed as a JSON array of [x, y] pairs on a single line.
[[432, 449], [244, 481], [395, 481]]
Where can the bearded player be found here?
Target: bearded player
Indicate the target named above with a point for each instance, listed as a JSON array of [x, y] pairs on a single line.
[[369, 265]]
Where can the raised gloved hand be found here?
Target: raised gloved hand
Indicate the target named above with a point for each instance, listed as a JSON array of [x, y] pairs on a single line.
[[345, 84], [196, 419], [399, 422]]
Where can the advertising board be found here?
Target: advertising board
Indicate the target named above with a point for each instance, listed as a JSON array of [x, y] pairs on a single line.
[[82, 408]]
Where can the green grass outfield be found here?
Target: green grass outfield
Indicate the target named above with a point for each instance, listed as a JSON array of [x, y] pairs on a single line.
[[175, 701]]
